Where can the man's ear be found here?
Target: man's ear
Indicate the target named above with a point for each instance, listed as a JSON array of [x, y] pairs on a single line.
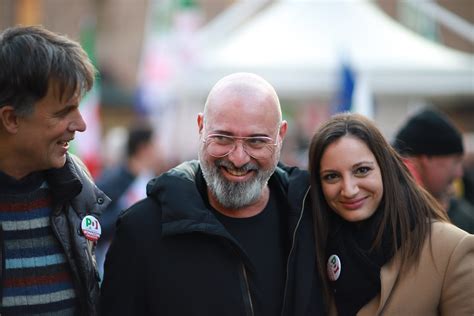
[[283, 129], [9, 119], [200, 121]]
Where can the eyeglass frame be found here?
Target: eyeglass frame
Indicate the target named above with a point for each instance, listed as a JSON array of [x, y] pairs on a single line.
[[244, 146]]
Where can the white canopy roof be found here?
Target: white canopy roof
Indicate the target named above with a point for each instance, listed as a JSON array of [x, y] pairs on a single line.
[[298, 45]]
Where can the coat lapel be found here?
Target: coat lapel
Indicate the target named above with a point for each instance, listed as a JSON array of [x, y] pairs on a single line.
[[389, 274], [388, 277]]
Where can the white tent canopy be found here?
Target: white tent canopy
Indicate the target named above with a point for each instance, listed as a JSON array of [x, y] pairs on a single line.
[[298, 45]]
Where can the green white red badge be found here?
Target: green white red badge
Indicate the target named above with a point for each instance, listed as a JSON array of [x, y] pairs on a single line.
[[90, 227], [334, 267]]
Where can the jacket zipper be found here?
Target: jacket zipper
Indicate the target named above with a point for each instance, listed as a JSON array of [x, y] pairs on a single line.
[[77, 283], [247, 288], [291, 251]]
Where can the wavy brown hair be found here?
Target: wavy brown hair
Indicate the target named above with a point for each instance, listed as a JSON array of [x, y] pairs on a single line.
[[406, 207]]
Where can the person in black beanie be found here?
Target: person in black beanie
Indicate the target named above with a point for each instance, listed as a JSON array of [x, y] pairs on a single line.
[[432, 148]]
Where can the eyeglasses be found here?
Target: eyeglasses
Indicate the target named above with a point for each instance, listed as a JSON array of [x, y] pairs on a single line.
[[258, 147]]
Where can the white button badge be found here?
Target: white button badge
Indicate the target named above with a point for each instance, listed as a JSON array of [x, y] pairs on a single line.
[[90, 227], [334, 267]]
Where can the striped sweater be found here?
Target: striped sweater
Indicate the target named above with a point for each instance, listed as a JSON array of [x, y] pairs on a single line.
[[35, 276]]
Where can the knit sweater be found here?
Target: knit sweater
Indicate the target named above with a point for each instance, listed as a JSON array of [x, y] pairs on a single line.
[[35, 275]]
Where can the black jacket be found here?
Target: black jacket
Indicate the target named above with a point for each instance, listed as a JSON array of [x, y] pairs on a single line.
[[74, 197], [461, 214], [171, 256]]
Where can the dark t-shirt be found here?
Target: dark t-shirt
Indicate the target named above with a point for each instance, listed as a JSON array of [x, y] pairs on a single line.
[[263, 237]]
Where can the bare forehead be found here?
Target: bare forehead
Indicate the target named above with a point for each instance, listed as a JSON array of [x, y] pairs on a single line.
[[243, 93]]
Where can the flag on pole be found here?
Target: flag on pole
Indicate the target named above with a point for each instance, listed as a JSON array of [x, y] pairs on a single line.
[[87, 144], [343, 100], [362, 98], [354, 93]]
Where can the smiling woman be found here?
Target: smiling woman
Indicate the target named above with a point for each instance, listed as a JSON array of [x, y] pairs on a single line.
[[351, 179], [374, 228]]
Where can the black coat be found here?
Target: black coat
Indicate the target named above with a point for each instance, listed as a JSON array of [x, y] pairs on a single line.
[[171, 256]]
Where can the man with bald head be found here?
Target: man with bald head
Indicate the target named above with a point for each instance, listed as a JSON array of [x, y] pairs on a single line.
[[229, 234]]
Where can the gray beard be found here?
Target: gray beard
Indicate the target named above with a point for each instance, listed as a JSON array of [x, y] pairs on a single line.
[[235, 195]]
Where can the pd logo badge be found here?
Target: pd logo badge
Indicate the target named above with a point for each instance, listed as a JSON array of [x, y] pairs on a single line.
[[334, 267], [90, 227]]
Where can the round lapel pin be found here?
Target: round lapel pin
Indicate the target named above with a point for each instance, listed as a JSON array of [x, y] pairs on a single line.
[[334, 267], [90, 227]]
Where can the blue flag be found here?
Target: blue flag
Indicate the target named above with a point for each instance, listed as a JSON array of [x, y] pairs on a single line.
[[343, 99]]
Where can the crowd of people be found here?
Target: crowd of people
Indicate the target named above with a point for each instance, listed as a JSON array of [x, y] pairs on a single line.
[[366, 229]]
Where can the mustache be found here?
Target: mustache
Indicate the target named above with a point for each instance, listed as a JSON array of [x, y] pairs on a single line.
[[250, 166]]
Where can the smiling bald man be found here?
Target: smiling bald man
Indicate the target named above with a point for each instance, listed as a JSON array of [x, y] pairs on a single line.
[[230, 234]]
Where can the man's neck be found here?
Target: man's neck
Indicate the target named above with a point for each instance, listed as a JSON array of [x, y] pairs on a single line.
[[26, 184], [11, 162], [13, 168], [244, 212]]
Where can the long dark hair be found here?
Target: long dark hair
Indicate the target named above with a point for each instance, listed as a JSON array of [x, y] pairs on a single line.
[[406, 207]]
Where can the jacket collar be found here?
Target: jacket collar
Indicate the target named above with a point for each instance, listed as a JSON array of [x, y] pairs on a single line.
[[184, 209], [64, 182], [72, 184]]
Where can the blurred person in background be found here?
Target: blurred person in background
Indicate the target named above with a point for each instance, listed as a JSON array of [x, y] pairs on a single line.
[[125, 183], [384, 245], [226, 235], [468, 178], [433, 151], [113, 152], [48, 203]]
